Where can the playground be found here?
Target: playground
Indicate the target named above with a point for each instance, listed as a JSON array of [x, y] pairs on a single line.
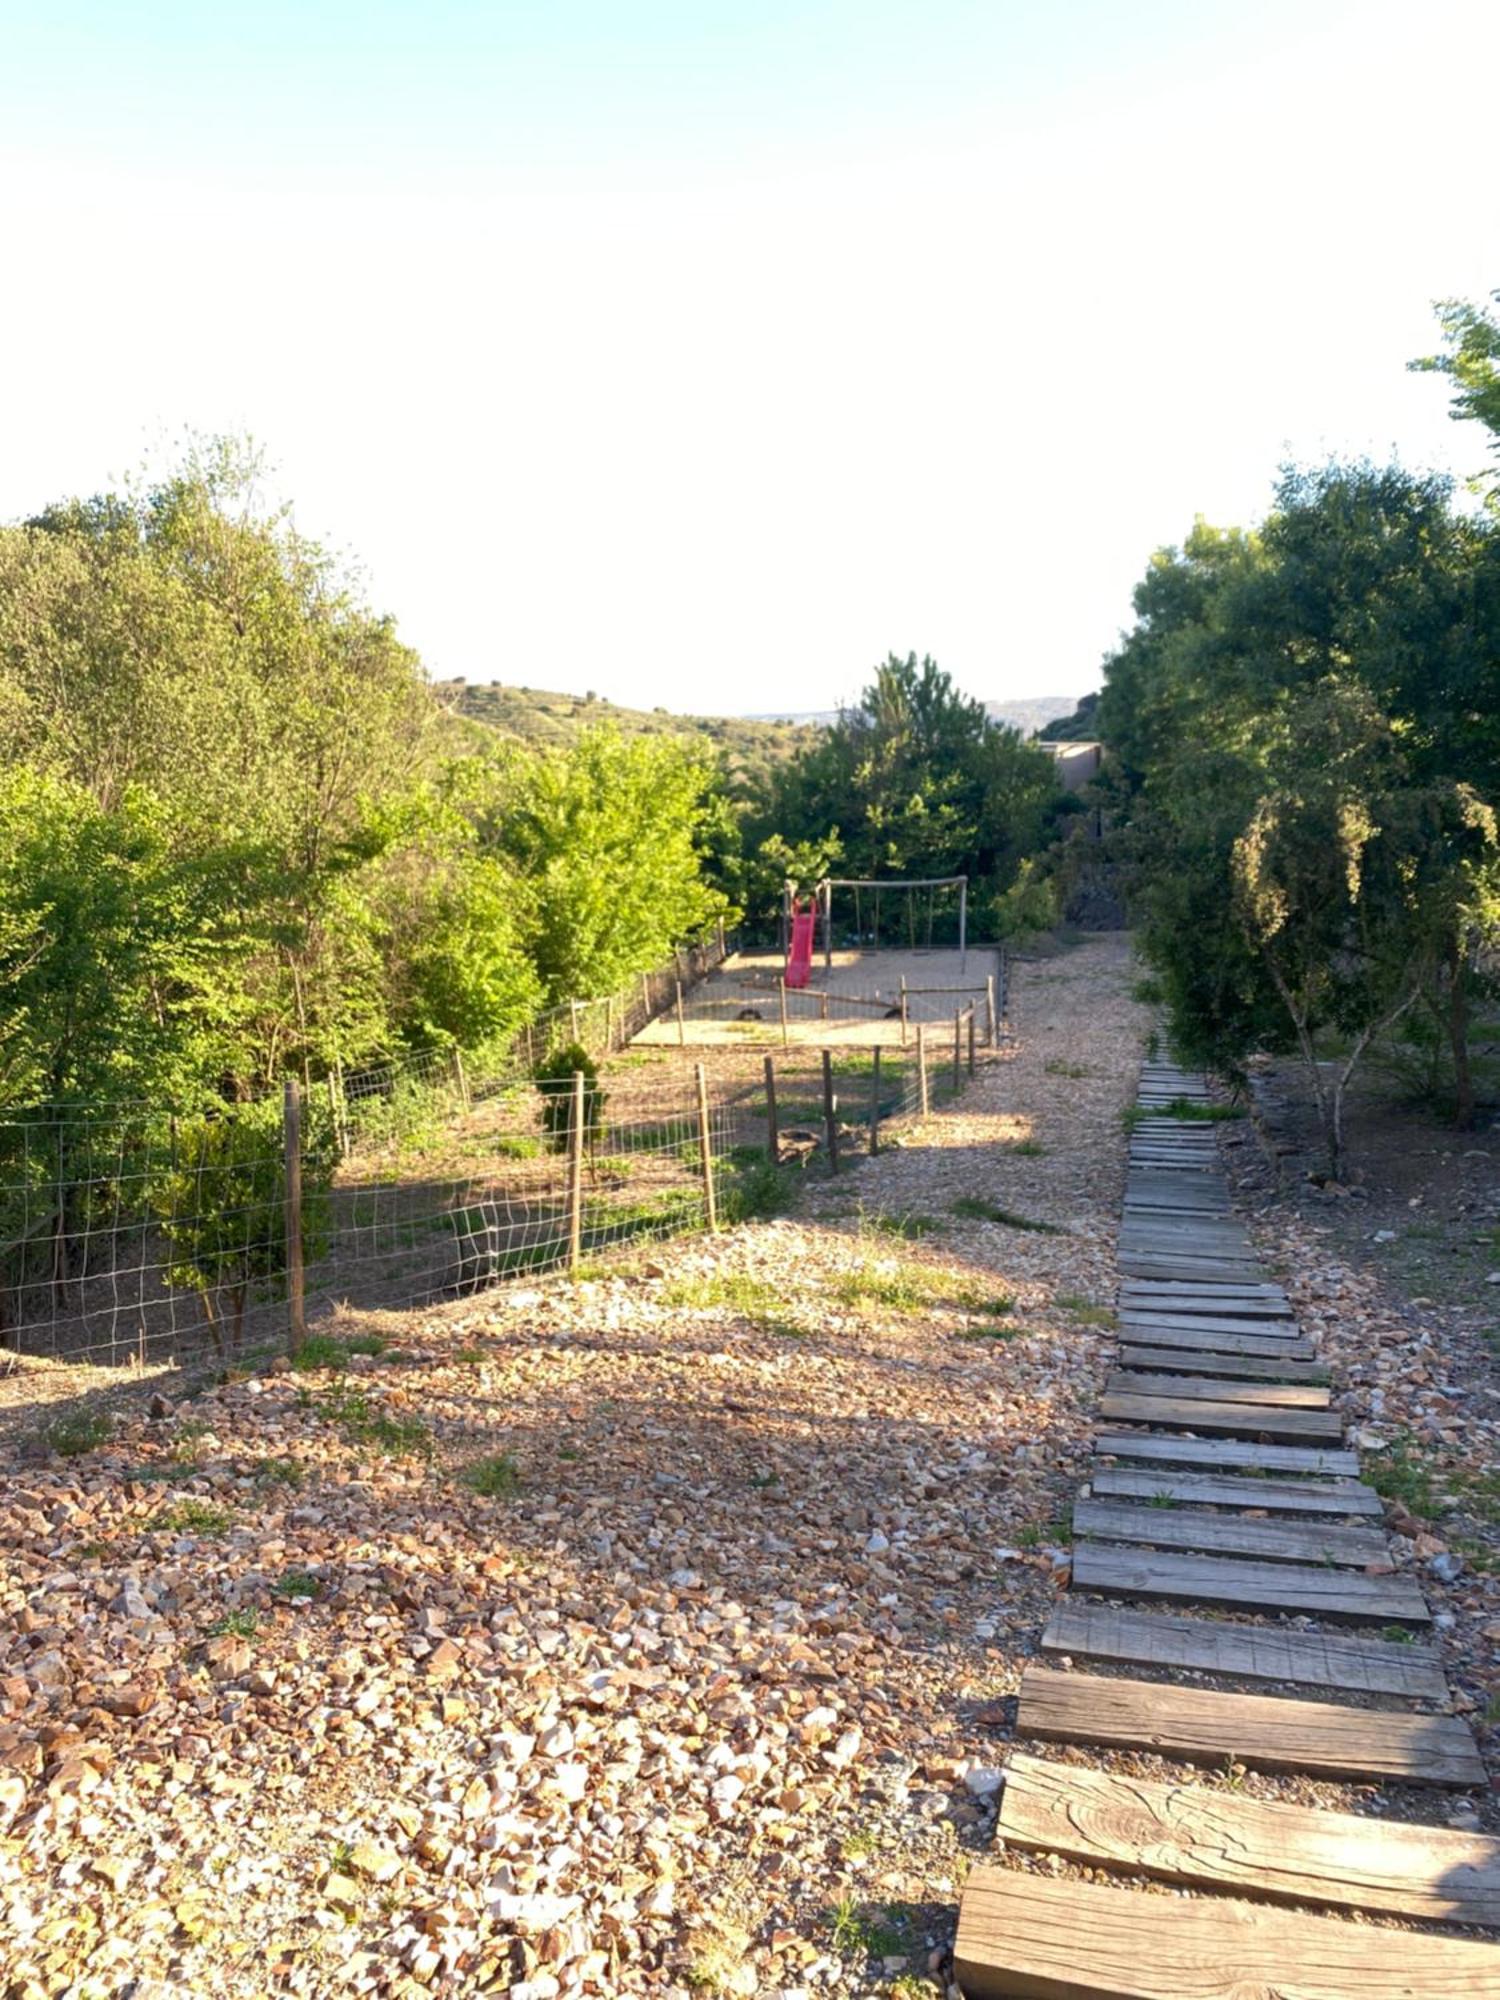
[[858, 1000], [835, 982]]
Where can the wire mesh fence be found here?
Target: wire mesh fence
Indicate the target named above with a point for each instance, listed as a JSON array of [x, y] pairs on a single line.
[[130, 1233]]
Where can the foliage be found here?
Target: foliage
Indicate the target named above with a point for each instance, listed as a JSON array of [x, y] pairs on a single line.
[[554, 1082], [1471, 361], [221, 1206], [1303, 737], [914, 779]]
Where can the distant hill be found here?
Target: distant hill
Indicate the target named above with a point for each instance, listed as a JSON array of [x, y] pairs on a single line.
[[752, 745], [1029, 716]]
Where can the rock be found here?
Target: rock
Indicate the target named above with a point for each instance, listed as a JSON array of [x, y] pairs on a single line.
[[1447, 1568], [847, 1748], [130, 1603], [376, 1864], [115, 1869], [159, 1407], [982, 1781], [877, 1545], [557, 1742], [817, 1722], [341, 1890], [442, 1663]]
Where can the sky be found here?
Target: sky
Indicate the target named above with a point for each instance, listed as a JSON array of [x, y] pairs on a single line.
[[699, 354]]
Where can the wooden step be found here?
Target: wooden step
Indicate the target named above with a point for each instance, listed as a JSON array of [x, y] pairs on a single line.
[[1267, 1732], [1127, 1570], [1227, 1418], [1236, 1367], [1262, 1652], [1207, 1337], [1205, 1489], [1220, 1840], [1264, 1395], [1208, 1295], [1226, 1454], [1203, 1532], [1027, 1937]]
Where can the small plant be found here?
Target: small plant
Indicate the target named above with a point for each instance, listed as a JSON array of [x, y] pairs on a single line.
[[1026, 1149], [194, 1517], [187, 1443], [235, 1625], [911, 1227], [554, 1082], [72, 1436], [495, 1477], [1164, 1499], [298, 1585], [350, 1409], [1055, 1066], [1234, 1774], [287, 1472], [469, 1357], [861, 1844], [854, 1932], [1399, 1474], [1398, 1635], [1085, 1313], [324, 1351], [976, 1209], [1492, 1709]]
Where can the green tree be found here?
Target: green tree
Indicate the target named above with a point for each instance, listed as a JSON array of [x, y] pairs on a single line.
[[1470, 358]]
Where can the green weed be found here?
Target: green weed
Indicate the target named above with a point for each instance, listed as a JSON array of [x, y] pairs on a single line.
[[288, 1472], [299, 1585], [976, 1209], [194, 1517], [235, 1624], [1026, 1149], [854, 1930], [1055, 1066], [351, 1410], [1399, 1474], [72, 1436], [494, 1477]]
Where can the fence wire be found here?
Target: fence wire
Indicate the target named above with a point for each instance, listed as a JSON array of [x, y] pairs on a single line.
[[136, 1234]]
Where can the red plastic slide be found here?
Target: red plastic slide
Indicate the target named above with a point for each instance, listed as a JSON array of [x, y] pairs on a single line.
[[799, 958]]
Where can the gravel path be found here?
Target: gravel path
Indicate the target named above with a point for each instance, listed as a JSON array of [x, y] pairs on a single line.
[[701, 1696]]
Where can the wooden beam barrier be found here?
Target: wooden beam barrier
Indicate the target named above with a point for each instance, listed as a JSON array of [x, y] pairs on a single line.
[[773, 1129], [830, 1112]]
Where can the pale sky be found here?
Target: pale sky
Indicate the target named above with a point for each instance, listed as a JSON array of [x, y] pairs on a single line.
[[701, 354]]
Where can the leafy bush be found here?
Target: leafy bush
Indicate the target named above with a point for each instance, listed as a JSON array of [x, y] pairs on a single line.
[[554, 1080]]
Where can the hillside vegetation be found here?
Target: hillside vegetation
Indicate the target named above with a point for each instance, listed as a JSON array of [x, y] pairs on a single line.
[[748, 750]]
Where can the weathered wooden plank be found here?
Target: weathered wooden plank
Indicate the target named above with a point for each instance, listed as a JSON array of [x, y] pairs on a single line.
[[1117, 1569], [1204, 1532], [1223, 1419], [1228, 1336], [1150, 1264], [1220, 1840], [1202, 1300], [1028, 1937], [1207, 1489], [1226, 1454], [1188, 1388], [1268, 1732], [1348, 1661], [1236, 1367], [1263, 1290]]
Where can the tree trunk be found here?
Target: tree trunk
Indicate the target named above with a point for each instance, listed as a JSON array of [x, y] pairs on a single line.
[[1458, 1037]]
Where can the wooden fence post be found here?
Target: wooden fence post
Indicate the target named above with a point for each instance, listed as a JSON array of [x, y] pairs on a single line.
[[681, 1024], [645, 1001], [830, 1113], [958, 1049], [971, 1041], [875, 1104], [781, 988], [773, 1129], [575, 1173], [573, 1019], [822, 1006], [609, 1023], [922, 1095], [291, 1132], [461, 1080], [706, 1149], [903, 1010], [989, 1002]]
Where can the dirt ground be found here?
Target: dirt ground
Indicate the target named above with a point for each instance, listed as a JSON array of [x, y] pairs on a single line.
[[652, 1634], [854, 1001]]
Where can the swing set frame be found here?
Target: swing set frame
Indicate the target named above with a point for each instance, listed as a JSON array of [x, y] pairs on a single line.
[[891, 884]]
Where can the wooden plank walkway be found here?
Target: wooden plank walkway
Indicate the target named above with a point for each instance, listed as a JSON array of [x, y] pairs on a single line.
[[1231, 1487], [1127, 1637], [1023, 1937], [1218, 1839]]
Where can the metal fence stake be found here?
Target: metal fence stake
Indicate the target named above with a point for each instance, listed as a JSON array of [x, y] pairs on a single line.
[[575, 1174], [291, 1132]]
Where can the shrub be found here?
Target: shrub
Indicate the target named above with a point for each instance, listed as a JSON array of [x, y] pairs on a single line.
[[554, 1080]]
